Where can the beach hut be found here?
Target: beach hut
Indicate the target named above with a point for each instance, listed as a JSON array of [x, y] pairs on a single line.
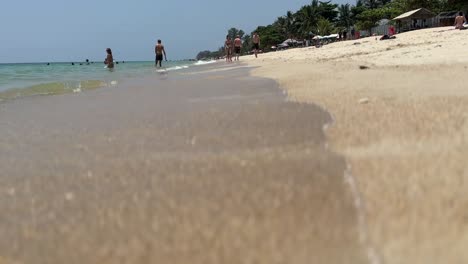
[[447, 18], [414, 19], [382, 28]]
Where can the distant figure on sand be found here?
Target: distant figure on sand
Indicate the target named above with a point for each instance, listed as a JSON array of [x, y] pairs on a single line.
[[459, 21], [256, 43], [109, 61], [391, 30], [159, 50], [228, 48], [237, 46]]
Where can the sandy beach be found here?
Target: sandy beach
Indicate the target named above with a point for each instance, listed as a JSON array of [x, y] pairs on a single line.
[[401, 124]]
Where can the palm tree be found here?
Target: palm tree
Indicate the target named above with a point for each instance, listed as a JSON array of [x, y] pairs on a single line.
[[324, 27], [281, 25], [344, 18], [307, 18], [371, 4], [290, 24], [326, 10]]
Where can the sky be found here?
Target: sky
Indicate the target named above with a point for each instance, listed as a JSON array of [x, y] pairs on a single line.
[[65, 30]]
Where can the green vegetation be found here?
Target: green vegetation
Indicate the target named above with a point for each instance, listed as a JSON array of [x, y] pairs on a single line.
[[324, 18]]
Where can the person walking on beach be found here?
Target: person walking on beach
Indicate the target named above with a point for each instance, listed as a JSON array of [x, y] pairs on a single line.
[[256, 43], [159, 50], [237, 47], [109, 61], [459, 21], [228, 48]]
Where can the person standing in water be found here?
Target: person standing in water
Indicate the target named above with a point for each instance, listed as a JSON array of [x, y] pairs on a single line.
[[237, 47], [109, 61], [256, 43], [159, 50], [228, 48]]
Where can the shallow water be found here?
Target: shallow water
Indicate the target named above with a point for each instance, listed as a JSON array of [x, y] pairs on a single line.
[[17, 80], [214, 167]]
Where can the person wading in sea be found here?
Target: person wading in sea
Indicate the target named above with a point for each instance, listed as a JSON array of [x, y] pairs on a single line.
[[159, 50], [109, 61]]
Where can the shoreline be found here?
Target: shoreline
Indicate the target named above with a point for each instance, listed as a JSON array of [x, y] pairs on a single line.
[[401, 125]]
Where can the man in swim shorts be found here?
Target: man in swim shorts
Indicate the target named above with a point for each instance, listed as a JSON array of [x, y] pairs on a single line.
[[256, 43], [159, 50], [237, 46]]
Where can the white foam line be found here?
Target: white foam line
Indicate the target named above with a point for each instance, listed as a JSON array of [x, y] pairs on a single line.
[[228, 97], [219, 70], [372, 255]]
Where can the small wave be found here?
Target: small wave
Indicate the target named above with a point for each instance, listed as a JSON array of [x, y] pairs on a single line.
[[175, 68], [51, 89], [200, 62]]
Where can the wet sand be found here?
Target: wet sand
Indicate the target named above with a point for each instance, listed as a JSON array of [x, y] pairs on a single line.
[[208, 168], [406, 143]]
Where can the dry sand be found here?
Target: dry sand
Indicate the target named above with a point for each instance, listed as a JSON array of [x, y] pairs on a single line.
[[402, 126]]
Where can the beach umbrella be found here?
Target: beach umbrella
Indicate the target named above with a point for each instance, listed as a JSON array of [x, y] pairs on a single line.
[[290, 41], [332, 36]]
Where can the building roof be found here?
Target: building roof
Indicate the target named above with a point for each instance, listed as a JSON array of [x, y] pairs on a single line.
[[451, 14], [421, 13]]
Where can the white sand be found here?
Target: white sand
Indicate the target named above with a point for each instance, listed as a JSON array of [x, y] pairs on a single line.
[[407, 145]]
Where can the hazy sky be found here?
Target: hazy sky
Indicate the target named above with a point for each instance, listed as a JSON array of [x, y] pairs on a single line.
[[65, 30]]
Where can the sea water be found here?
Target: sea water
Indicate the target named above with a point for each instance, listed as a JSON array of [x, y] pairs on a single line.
[[28, 79]]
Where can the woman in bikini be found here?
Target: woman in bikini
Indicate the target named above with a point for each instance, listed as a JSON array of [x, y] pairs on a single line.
[[109, 59], [228, 48]]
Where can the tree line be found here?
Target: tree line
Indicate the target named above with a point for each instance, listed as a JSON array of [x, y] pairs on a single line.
[[324, 18]]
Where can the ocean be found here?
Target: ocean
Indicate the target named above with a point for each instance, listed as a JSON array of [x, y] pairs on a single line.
[[29, 79]]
